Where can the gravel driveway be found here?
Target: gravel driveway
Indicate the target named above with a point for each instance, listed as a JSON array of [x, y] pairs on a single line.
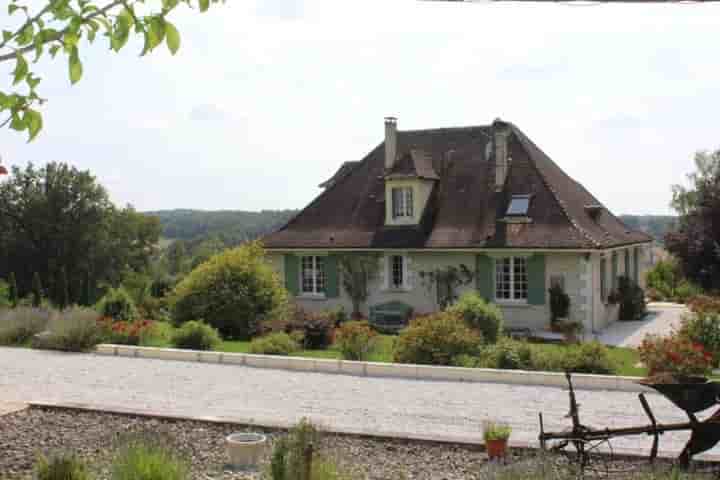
[[379, 405]]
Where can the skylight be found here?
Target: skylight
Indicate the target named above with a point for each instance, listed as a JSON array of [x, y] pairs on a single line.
[[519, 205]]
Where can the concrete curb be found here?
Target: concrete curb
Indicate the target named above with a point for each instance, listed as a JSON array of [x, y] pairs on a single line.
[[383, 370], [275, 424]]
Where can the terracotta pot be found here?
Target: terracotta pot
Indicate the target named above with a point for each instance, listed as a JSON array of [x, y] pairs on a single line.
[[496, 448]]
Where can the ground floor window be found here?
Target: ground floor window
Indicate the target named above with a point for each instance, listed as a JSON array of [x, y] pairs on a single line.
[[397, 271], [511, 279], [312, 275]]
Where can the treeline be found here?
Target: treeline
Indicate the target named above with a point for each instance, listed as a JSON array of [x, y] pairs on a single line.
[[654, 225], [232, 227]]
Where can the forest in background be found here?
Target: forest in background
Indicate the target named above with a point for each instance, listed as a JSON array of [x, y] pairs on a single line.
[[655, 225]]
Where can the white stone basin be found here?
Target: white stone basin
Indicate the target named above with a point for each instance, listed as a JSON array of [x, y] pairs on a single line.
[[245, 449]]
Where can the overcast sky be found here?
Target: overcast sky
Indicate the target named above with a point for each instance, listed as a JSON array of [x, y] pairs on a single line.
[[267, 98]]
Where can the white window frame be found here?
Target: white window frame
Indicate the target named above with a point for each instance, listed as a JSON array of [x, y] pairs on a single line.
[[406, 208], [512, 281], [387, 283], [314, 276]]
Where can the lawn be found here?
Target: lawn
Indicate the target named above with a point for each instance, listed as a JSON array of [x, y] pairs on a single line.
[[625, 359]]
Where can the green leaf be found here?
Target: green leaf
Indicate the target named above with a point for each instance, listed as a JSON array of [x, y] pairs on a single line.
[[7, 35], [26, 35], [75, 66], [172, 37], [21, 69], [32, 81], [53, 50], [34, 123], [120, 33], [12, 8], [39, 45], [17, 122], [157, 27], [70, 39], [204, 5]]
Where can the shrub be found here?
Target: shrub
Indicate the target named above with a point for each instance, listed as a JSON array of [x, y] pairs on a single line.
[[61, 467], [196, 335], [559, 303], [436, 340], [675, 355], [480, 315], [17, 326], [685, 291], [355, 340], [316, 327], [508, 354], [703, 329], [631, 298], [278, 343], [233, 291], [118, 305], [72, 330], [147, 458], [588, 357], [664, 278], [4, 294]]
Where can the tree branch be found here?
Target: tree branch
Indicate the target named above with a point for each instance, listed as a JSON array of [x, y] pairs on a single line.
[[29, 48]]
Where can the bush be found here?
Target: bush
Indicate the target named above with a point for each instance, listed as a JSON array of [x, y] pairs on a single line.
[[436, 340], [4, 294], [559, 303], [147, 458], [355, 340], [508, 354], [195, 335], [233, 291], [73, 330], [674, 355], [17, 326], [664, 278], [632, 300], [589, 357], [118, 305], [480, 315], [278, 343], [316, 327], [61, 467], [703, 329], [685, 291], [704, 304]]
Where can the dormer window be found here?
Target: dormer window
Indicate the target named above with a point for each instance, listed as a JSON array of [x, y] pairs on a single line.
[[519, 205], [402, 202]]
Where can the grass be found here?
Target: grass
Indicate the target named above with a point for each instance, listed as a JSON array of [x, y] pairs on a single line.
[[625, 359]]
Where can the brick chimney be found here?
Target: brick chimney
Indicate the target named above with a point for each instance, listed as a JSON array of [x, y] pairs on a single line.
[[501, 133], [390, 141]]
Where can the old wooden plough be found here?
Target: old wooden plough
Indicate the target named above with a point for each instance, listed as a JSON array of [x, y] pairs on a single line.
[[690, 394]]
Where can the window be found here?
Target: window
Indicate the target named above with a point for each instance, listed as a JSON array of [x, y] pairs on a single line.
[[603, 278], [312, 275], [627, 264], [402, 202], [511, 279], [397, 271], [519, 205]]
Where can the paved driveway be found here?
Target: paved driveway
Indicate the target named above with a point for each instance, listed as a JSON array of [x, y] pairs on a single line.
[[379, 405], [661, 319]]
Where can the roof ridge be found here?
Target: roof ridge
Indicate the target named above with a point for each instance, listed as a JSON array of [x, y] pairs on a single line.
[[524, 139], [445, 129]]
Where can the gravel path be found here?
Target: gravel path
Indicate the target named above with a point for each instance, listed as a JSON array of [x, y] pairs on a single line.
[[661, 320], [379, 405]]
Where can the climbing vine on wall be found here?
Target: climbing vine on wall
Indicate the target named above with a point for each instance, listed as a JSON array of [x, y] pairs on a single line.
[[357, 271], [446, 281]]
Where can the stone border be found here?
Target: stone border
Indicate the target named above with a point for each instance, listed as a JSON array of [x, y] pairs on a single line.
[[385, 370]]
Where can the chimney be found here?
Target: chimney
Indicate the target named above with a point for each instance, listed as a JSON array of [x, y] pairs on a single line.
[[390, 141], [501, 132]]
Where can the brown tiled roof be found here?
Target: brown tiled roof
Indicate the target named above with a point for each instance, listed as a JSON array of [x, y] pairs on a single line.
[[464, 210], [344, 169]]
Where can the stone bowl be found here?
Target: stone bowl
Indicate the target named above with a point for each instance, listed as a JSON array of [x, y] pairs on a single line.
[[245, 449]]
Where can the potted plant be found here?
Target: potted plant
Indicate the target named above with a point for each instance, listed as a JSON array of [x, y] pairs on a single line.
[[559, 304], [496, 438]]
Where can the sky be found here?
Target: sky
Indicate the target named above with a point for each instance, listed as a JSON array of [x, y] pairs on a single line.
[[267, 98]]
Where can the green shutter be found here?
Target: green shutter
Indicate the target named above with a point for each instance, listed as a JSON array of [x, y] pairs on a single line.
[[332, 289], [613, 279], [484, 277], [536, 279], [292, 273], [636, 267]]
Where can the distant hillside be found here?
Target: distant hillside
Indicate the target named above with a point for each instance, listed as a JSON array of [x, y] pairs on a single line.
[[233, 226], [654, 225]]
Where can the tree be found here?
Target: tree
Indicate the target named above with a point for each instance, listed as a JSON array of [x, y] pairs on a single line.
[[63, 26], [13, 290], [356, 271], [37, 291], [57, 216], [696, 242], [62, 294]]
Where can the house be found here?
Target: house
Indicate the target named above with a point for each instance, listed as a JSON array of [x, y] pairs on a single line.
[[446, 210]]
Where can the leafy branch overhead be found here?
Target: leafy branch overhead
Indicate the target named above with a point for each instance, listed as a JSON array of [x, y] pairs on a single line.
[[66, 26]]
